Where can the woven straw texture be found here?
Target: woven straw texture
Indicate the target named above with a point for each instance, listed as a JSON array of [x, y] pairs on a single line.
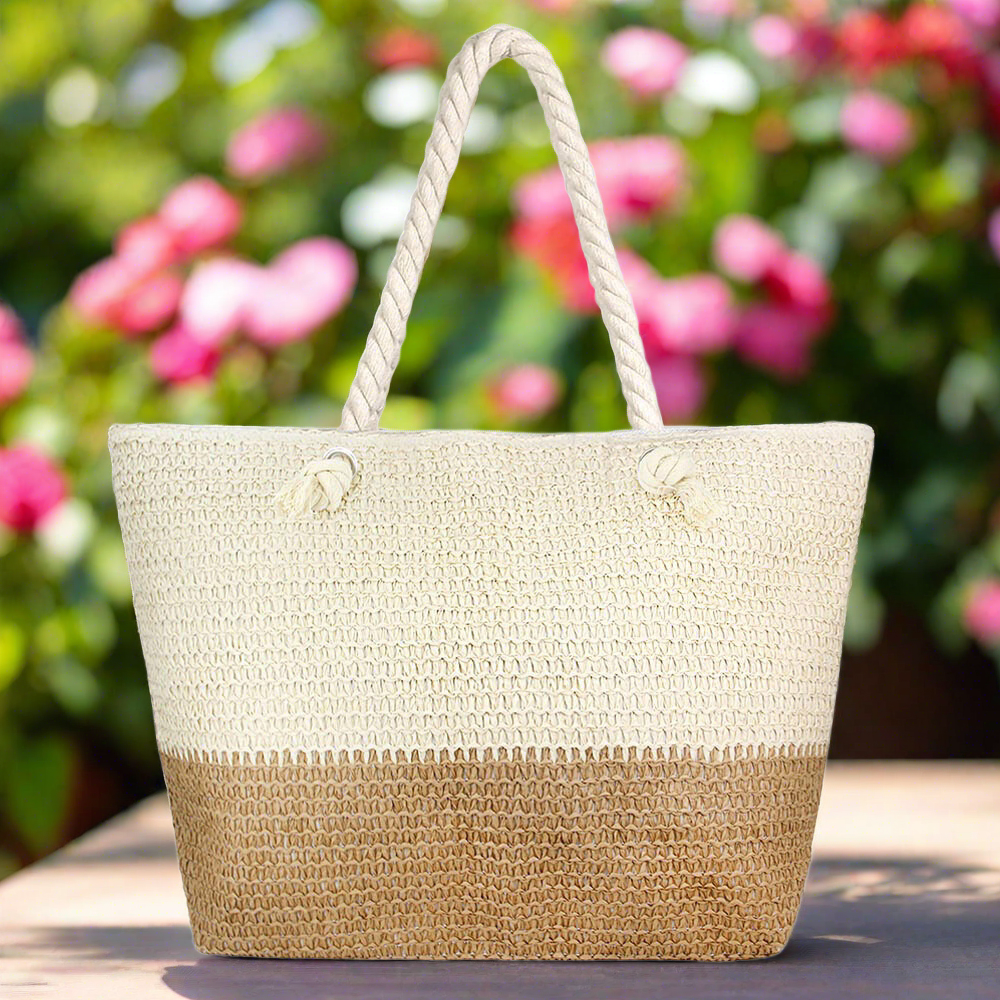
[[600, 856], [481, 593], [480, 695]]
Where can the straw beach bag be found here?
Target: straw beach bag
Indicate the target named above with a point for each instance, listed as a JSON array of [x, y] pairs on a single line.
[[486, 695]]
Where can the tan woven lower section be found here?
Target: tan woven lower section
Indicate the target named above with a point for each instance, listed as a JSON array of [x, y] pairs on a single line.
[[618, 855]]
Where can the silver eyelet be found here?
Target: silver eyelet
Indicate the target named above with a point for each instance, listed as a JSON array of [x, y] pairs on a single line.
[[346, 453]]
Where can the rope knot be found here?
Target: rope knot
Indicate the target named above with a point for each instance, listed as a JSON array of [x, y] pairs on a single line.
[[321, 486], [664, 472]]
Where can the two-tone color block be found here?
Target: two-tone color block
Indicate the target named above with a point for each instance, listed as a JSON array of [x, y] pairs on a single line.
[[503, 702]]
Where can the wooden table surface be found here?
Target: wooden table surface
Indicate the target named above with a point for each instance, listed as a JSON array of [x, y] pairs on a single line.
[[903, 900]]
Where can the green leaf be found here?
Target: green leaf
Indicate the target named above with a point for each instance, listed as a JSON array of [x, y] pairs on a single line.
[[524, 324], [74, 687], [407, 413], [11, 653], [719, 188], [108, 568], [597, 404], [865, 613], [38, 791]]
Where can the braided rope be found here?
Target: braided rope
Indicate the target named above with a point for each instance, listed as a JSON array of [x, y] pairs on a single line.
[[368, 392]]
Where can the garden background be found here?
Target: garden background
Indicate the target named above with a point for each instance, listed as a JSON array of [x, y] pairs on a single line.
[[199, 199]]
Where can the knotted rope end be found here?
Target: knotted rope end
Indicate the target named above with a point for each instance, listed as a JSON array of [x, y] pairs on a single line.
[[320, 487], [663, 472]]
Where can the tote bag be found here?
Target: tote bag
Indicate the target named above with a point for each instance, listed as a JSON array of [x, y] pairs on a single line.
[[458, 694]]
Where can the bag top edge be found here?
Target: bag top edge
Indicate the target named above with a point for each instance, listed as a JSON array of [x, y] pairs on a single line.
[[151, 432]]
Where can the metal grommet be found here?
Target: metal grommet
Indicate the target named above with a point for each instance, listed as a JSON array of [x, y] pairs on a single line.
[[346, 453]]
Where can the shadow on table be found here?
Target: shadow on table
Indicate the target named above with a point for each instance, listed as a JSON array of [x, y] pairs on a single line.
[[867, 928], [157, 849], [160, 945]]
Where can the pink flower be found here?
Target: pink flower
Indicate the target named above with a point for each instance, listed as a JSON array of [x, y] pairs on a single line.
[[809, 10], [745, 248], [989, 73], [216, 298], [554, 6], [178, 357], [300, 290], [403, 47], [11, 327], [274, 143], [869, 42], [993, 231], [31, 487], [16, 366], [554, 245], [637, 177], [111, 293], [145, 246], [680, 386], [150, 304], [647, 61], [876, 125], [815, 47], [541, 195], [981, 614], [797, 280], [776, 338], [643, 284], [714, 10], [99, 291], [932, 31], [200, 214], [16, 359], [691, 314], [983, 15], [774, 37], [526, 392]]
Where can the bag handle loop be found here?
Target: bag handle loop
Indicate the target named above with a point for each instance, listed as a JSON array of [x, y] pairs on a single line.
[[370, 387]]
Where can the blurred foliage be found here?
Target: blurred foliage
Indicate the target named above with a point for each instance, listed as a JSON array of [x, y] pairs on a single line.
[[105, 105]]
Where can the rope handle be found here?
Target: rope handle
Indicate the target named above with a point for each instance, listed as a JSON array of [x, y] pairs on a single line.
[[370, 387]]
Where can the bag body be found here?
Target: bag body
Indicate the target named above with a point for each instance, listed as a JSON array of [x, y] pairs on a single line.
[[487, 695]]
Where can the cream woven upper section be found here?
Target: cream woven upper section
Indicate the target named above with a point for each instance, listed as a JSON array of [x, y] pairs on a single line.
[[493, 590]]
